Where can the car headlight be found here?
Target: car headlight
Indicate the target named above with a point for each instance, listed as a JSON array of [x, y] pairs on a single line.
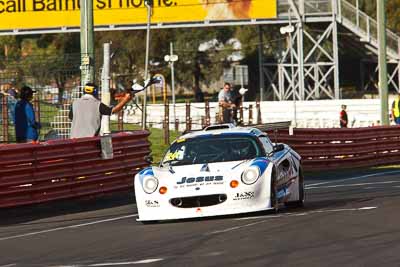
[[150, 184], [251, 175]]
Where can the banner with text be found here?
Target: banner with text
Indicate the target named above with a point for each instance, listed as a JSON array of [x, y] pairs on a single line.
[[34, 14]]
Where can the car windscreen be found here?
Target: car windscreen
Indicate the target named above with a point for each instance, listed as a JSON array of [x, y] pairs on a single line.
[[209, 149]]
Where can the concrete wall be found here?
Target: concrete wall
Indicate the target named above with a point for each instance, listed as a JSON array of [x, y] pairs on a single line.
[[310, 114]]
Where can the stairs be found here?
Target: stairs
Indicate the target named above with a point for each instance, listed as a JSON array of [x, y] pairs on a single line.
[[362, 26], [365, 28]]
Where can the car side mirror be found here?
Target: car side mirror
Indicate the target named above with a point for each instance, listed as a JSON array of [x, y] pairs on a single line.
[[148, 158], [278, 147]]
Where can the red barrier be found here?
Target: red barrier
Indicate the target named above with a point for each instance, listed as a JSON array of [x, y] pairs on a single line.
[[35, 173], [340, 148]]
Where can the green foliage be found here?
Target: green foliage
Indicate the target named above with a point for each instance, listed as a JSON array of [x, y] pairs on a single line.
[[156, 138]]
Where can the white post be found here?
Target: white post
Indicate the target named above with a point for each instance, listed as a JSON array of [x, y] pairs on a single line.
[[146, 68], [358, 13], [105, 89], [292, 73], [173, 80]]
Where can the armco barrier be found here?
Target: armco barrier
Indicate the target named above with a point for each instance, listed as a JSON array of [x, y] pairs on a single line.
[[61, 169], [340, 148]]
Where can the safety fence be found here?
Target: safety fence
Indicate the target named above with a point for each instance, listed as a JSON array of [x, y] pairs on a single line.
[[61, 169], [341, 148]]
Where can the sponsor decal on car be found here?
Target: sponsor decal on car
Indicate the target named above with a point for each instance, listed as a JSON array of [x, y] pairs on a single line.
[[244, 195], [152, 203], [200, 180]]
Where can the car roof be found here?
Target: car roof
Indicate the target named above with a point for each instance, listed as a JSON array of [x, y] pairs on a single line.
[[220, 130]]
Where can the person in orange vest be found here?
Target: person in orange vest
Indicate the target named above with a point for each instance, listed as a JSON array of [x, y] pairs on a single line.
[[396, 110]]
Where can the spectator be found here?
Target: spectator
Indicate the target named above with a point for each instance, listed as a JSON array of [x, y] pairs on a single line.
[[226, 101], [343, 117], [11, 102], [396, 110], [26, 126], [86, 112]]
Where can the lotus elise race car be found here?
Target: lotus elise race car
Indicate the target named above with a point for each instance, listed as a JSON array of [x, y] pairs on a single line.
[[219, 172]]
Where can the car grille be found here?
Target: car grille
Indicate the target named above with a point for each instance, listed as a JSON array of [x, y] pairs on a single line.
[[198, 201]]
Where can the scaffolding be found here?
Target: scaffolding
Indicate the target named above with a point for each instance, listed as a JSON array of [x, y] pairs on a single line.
[[309, 66]]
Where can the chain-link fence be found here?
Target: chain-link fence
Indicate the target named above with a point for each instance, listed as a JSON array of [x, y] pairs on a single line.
[[57, 84]]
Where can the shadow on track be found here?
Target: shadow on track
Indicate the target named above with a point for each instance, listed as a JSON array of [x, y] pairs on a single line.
[[24, 214], [309, 206]]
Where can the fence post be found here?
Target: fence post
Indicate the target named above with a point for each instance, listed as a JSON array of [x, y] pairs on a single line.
[[4, 117], [207, 113], [188, 119], [250, 114], [121, 120], [258, 107], [241, 113], [166, 122], [36, 107], [220, 113], [176, 125]]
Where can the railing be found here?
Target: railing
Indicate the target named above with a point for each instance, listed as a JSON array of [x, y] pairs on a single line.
[[356, 19], [63, 169], [367, 25], [330, 149]]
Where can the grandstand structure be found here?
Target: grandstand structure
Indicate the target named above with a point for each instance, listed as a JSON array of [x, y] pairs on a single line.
[[328, 35]]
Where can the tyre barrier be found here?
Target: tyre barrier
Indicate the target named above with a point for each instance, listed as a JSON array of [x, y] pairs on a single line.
[[63, 169], [343, 148]]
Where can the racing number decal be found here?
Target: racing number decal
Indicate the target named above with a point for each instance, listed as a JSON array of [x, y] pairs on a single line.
[[172, 156]]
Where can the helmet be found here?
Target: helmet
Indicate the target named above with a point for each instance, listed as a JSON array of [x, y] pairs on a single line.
[[26, 92], [90, 88]]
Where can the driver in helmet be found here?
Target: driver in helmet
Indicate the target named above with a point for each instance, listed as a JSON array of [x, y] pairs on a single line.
[[243, 150], [86, 112]]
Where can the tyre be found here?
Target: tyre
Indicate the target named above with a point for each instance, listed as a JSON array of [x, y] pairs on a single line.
[[300, 202], [274, 198]]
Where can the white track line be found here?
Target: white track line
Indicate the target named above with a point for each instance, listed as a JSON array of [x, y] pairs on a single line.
[[67, 227], [124, 263], [351, 185], [303, 213], [354, 178]]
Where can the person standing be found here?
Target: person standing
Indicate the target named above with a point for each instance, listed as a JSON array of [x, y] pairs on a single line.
[[26, 126], [11, 102], [225, 101], [396, 110], [86, 112], [343, 117]]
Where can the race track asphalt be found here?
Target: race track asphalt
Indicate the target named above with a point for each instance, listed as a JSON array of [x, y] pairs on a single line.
[[348, 220]]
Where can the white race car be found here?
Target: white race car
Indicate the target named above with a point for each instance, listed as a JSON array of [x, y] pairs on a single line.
[[219, 172]]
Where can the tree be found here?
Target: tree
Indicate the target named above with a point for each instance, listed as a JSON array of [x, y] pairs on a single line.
[[202, 56]]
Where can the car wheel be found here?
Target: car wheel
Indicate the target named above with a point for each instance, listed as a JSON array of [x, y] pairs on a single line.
[[300, 202]]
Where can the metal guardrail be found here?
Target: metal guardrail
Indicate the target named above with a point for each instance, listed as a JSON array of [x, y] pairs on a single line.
[[273, 126], [341, 148], [63, 169]]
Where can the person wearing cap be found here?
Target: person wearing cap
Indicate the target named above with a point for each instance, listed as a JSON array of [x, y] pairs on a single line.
[[225, 100], [26, 126], [86, 112], [396, 110]]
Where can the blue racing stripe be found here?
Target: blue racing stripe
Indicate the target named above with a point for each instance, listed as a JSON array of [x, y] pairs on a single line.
[[261, 163], [146, 171]]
